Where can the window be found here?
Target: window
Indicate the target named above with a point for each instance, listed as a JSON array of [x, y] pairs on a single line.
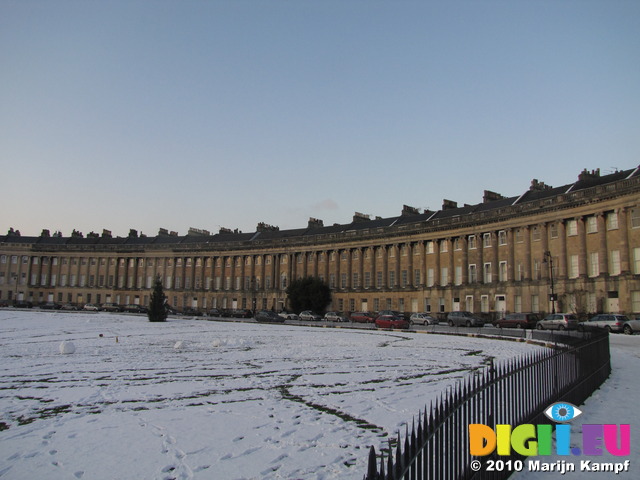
[[519, 271], [517, 303], [535, 304], [636, 261], [356, 280], [392, 279], [457, 275], [404, 278], [473, 274], [635, 301], [484, 303], [536, 270], [367, 279], [519, 236], [417, 277], [535, 234], [635, 217], [457, 244], [572, 228], [444, 246], [472, 242], [592, 225], [502, 272], [574, 270], [343, 280], [35, 261], [594, 265], [486, 240], [430, 277], [553, 230], [430, 248], [502, 237], [612, 221], [614, 262], [444, 276], [487, 273]]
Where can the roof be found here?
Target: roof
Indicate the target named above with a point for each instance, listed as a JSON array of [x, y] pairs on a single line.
[[537, 192]]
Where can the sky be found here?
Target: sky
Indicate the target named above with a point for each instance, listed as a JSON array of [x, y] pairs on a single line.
[[143, 115]]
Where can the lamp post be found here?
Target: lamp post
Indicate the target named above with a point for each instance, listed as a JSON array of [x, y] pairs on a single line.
[[548, 259]]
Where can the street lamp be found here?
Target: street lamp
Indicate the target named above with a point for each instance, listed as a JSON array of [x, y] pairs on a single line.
[[548, 259]]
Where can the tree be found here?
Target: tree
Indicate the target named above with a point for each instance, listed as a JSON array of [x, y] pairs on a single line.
[[308, 293], [157, 306]]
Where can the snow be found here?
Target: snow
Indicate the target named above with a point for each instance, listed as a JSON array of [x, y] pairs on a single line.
[[192, 398], [615, 402]]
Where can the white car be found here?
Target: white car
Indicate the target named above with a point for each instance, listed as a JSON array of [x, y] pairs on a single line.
[[91, 307], [423, 319], [288, 316]]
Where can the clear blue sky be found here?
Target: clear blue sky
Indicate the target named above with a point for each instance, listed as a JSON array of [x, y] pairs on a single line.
[[177, 114]]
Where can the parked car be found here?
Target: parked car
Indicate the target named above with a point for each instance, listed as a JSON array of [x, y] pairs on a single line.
[[308, 315], [334, 317], [214, 312], [239, 313], [134, 309], [423, 319], [558, 321], [632, 326], [267, 316], [518, 320], [4, 303], [23, 304], [391, 321], [50, 306], [69, 306], [90, 307], [362, 317], [466, 319], [609, 321], [289, 316], [192, 312], [111, 307]]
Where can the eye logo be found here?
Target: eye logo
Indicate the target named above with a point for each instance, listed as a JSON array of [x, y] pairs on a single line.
[[562, 412]]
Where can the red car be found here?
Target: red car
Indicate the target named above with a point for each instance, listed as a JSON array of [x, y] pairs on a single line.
[[391, 321], [362, 317]]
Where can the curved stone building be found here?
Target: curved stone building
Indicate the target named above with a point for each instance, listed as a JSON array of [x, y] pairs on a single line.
[[569, 248]]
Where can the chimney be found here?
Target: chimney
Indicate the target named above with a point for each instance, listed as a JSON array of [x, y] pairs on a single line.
[[407, 210], [360, 217], [449, 204], [490, 196], [315, 223], [265, 227], [106, 233]]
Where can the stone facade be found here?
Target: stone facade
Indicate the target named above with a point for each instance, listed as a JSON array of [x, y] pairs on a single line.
[[502, 255]]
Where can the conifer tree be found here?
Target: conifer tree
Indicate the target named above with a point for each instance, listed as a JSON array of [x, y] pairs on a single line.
[[157, 306]]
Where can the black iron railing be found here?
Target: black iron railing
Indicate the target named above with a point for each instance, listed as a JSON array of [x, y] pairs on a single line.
[[511, 393]]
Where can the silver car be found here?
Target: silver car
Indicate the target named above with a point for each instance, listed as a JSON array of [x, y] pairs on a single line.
[[466, 319], [334, 317], [608, 321], [558, 321], [423, 319], [632, 326]]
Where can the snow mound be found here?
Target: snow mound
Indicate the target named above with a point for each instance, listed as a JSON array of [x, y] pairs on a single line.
[[67, 348]]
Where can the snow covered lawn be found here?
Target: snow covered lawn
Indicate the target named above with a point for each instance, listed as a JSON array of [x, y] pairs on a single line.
[[236, 401]]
